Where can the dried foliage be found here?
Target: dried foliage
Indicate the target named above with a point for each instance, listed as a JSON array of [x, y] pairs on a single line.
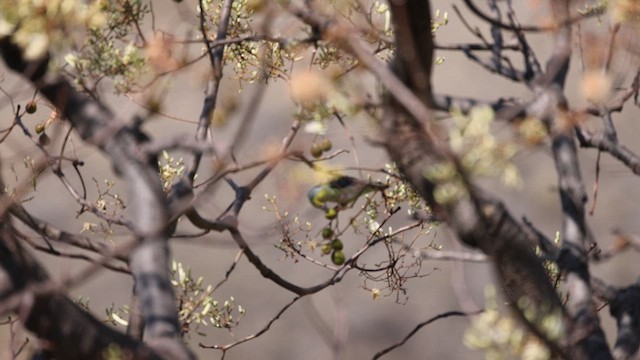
[[102, 75]]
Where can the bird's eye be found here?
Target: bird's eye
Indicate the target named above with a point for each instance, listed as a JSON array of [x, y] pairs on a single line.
[[342, 182]]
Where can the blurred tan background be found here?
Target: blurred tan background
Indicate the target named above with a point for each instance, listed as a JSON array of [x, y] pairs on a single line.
[[366, 325]]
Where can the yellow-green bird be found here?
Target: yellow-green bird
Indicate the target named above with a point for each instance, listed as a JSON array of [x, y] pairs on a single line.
[[343, 191]]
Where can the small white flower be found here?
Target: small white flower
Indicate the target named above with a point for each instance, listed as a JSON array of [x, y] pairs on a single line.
[[37, 47], [316, 127]]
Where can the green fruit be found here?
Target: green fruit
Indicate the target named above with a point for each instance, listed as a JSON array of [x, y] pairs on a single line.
[[331, 214], [316, 151], [337, 245], [326, 145], [39, 128], [327, 232], [31, 107], [338, 257], [155, 106], [326, 249], [44, 139]]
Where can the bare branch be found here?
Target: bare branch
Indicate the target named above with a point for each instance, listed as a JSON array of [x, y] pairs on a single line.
[[611, 146], [496, 22], [52, 233], [624, 308], [586, 331], [97, 125], [71, 332], [447, 314], [215, 57], [266, 328]]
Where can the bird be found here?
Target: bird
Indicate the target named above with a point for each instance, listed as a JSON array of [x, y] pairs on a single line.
[[342, 190]]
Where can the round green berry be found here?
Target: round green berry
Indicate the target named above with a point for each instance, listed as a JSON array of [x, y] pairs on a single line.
[[331, 214], [337, 245], [327, 232], [338, 257], [31, 107], [326, 145], [326, 249], [44, 139], [316, 151]]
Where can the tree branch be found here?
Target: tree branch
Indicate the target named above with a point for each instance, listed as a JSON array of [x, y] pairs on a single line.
[[68, 331], [447, 314], [585, 332], [97, 125]]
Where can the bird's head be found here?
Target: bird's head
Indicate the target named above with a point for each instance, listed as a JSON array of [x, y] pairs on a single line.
[[318, 196]]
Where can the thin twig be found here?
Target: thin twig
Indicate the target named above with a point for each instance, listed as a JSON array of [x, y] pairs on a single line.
[[381, 353], [226, 347], [596, 182]]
